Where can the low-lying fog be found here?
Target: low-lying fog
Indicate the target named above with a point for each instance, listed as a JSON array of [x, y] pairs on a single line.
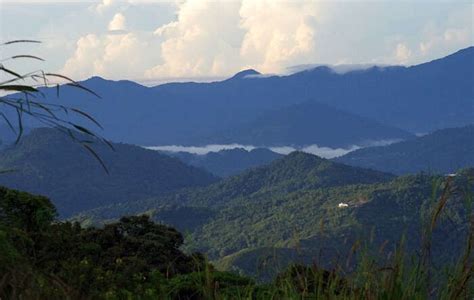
[[325, 152]]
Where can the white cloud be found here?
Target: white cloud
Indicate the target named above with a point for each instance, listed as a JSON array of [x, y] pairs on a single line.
[[218, 38], [86, 57], [278, 33], [103, 5], [450, 38], [117, 23], [221, 37], [112, 55], [325, 152], [204, 40], [402, 53]]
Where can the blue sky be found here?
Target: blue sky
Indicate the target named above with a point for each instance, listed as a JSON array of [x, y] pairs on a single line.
[[155, 41]]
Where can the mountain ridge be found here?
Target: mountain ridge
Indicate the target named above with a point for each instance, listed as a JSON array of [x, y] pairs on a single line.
[[442, 151], [50, 163], [188, 113]]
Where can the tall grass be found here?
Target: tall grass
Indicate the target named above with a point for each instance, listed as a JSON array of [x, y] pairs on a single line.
[[400, 274]]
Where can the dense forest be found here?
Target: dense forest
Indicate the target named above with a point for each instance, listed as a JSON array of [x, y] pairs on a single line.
[[135, 257], [291, 211]]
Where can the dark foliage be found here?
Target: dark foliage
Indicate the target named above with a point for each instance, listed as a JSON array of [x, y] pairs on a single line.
[[40, 255]]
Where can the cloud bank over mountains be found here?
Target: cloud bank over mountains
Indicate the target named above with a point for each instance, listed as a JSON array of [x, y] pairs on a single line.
[[146, 39]]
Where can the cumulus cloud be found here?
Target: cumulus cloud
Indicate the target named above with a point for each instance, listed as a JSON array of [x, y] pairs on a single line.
[[204, 40], [222, 37], [103, 5], [402, 53], [219, 38], [117, 23], [448, 38], [278, 33], [111, 55]]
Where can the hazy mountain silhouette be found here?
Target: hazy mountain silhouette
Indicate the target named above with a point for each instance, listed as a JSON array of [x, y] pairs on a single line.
[[50, 163], [310, 123], [229, 162], [420, 98], [443, 151]]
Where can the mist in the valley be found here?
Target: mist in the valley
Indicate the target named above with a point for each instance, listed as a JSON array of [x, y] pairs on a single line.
[[325, 152]]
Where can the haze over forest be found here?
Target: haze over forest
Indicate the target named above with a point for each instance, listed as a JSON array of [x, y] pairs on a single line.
[[239, 149]]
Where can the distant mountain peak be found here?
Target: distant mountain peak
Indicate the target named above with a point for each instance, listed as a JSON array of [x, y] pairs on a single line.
[[245, 73], [95, 79]]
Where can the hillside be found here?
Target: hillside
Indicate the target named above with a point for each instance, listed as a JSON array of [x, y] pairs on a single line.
[[441, 152], [312, 219], [297, 171], [310, 123], [419, 98], [309, 226], [121, 258], [50, 163], [290, 211], [229, 162]]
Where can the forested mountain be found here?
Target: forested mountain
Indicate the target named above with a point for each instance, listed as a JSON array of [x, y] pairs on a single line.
[[135, 257], [295, 172], [228, 162], [263, 231], [419, 98], [314, 220], [443, 151], [310, 123], [50, 163]]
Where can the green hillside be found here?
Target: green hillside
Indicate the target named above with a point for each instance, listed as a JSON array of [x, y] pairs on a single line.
[[310, 224], [50, 163], [297, 171], [135, 258], [292, 207]]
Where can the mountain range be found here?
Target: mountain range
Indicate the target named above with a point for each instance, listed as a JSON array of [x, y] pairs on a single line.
[[443, 151], [228, 162], [294, 172], [417, 99], [301, 206], [310, 123], [48, 162]]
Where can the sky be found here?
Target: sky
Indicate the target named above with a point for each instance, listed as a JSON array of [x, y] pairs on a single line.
[[160, 41]]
